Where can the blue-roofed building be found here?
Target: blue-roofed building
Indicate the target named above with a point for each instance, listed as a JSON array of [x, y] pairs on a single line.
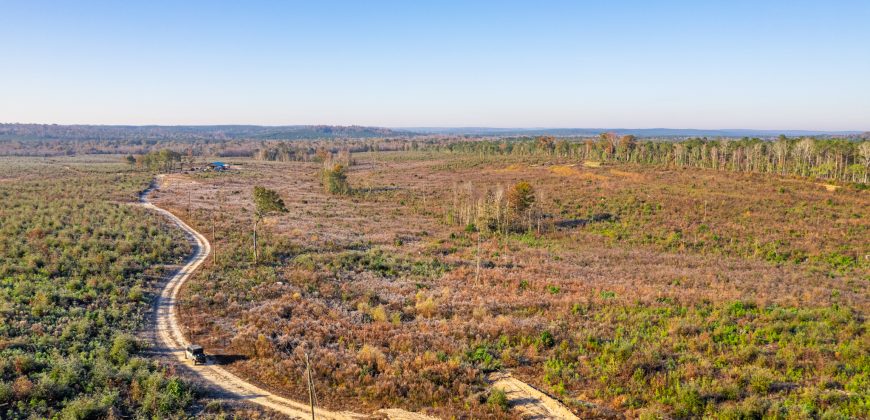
[[218, 166]]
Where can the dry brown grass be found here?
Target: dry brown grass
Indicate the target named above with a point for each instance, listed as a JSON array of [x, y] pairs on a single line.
[[696, 240]]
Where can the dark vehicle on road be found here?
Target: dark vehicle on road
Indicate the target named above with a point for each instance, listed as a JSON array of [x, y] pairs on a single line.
[[195, 353]]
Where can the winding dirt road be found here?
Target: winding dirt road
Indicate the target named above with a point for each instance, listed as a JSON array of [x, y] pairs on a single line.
[[170, 342]]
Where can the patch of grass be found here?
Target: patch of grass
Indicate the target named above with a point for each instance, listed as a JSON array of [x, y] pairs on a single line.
[[607, 294]]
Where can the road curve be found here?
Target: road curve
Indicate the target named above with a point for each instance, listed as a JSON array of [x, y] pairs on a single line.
[[169, 336]]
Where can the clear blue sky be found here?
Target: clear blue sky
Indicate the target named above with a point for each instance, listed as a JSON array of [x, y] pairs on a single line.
[[684, 64]]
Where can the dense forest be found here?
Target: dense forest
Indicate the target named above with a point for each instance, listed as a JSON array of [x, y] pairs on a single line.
[[834, 159], [77, 263]]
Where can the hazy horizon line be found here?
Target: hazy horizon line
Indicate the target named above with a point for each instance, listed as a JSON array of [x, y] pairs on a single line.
[[445, 127]]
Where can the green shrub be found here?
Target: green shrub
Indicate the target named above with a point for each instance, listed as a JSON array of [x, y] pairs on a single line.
[[546, 339], [524, 284], [483, 358], [122, 347], [498, 398], [335, 180]]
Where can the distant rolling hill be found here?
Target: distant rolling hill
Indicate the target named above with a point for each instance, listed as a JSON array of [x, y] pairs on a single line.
[[301, 132]]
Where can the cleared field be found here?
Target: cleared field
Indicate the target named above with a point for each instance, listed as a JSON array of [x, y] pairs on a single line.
[[638, 291]]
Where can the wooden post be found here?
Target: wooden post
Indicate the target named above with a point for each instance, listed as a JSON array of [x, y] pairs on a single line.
[[705, 211], [310, 385], [313, 390], [213, 240], [477, 274], [255, 241]]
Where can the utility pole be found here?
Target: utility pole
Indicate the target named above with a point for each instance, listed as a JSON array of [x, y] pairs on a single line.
[[213, 240], [310, 385], [477, 274], [256, 256]]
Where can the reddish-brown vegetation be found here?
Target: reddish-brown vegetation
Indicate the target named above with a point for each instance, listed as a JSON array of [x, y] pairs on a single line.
[[642, 290]]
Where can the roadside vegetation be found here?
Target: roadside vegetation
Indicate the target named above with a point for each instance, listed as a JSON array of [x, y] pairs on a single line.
[[77, 267]]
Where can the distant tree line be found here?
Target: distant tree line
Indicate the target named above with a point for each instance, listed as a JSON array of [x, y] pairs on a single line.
[[190, 132], [269, 150], [845, 159], [330, 151], [224, 148], [832, 159]]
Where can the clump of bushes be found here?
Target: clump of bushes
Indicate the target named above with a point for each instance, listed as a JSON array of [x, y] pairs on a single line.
[[482, 357], [498, 398], [371, 360], [426, 306], [334, 179]]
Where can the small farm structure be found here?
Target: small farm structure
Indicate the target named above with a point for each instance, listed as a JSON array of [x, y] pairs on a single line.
[[218, 166]]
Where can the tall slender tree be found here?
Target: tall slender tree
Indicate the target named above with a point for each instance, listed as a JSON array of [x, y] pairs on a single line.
[[266, 202]]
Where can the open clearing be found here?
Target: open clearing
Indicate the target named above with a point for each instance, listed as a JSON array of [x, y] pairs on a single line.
[[694, 276], [170, 340], [622, 291]]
